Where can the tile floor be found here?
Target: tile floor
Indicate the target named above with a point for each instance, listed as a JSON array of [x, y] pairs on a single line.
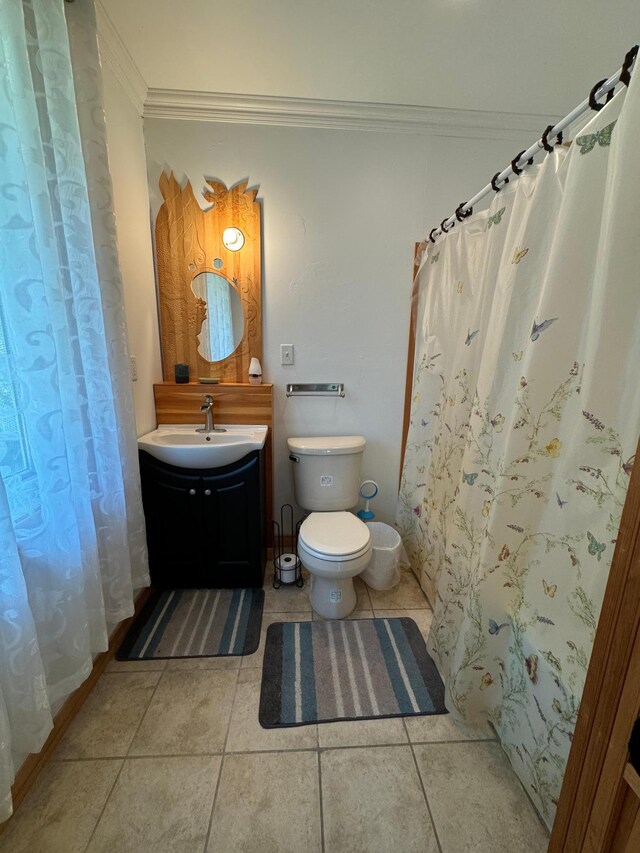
[[169, 756]]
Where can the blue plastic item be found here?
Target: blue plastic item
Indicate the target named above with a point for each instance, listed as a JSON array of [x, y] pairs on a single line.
[[368, 494]]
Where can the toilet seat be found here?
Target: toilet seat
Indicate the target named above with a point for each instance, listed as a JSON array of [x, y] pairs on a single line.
[[335, 536]]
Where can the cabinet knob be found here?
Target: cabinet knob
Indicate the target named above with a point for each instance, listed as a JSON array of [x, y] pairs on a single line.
[[192, 491], [207, 492]]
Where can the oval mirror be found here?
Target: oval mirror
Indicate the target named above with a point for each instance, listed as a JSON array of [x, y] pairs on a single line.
[[223, 325]]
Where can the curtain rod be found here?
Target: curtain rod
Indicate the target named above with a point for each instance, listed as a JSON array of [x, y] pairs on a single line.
[[524, 158]]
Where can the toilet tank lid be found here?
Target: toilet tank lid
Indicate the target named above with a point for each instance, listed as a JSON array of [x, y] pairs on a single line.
[[327, 445]]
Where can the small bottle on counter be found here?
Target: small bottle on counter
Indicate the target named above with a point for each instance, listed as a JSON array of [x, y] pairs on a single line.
[[255, 372], [182, 373]]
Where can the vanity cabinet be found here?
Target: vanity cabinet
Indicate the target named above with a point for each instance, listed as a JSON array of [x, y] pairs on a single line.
[[205, 528]]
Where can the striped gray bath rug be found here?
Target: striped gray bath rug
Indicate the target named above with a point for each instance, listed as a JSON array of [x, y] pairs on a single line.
[[188, 623], [346, 670]]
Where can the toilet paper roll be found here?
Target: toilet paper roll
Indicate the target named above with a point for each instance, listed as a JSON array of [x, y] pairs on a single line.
[[286, 566]]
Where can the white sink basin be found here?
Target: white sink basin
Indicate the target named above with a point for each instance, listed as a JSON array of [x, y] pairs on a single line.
[[181, 445]]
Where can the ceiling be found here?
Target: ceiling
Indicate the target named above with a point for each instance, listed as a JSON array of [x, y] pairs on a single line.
[[525, 56]]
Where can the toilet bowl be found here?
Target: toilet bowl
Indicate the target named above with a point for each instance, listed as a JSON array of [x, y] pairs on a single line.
[[334, 547], [333, 544]]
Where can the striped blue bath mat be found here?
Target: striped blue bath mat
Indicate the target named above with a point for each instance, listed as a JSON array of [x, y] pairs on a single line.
[[188, 623], [347, 670]]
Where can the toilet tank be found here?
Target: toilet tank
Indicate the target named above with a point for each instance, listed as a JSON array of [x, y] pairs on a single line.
[[326, 471]]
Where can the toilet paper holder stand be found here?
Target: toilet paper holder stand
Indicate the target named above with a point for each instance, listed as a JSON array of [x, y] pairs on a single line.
[[287, 567]]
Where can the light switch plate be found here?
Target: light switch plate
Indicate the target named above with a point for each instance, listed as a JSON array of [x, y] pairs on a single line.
[[286, 353]]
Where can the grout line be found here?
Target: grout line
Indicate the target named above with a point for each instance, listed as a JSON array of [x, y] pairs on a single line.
[[104, 805], [319, 749], [146, 711], [322, 842], [366, 745], [88, 758], [424, 790], [366, 586], [123, 758], [224, 753], [272, 751], [451, 740]]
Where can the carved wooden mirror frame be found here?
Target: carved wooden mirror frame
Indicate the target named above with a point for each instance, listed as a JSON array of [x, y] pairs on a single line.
[[188, 240]]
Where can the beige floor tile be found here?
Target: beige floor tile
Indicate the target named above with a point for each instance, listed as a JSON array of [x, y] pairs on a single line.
[[372, 802], [222, 662], [267, 803], [355, 614], [476, 800], [188, 714], [442, 727], [245, 732], [136, 665], [362, 732], [422, 618], [159, 805], [286, 599], [362, 591], [108, 720], [62, 809], [254, 660], [407, 595]]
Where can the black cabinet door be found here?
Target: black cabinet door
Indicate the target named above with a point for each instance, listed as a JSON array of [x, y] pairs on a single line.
[[233, 525], [173, 512], [205, 529]]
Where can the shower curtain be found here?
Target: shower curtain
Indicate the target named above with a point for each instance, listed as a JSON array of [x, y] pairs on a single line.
[[72, 534], [525, 416]]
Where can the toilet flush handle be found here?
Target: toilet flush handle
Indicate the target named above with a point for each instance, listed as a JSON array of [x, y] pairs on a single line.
[[294, 458]]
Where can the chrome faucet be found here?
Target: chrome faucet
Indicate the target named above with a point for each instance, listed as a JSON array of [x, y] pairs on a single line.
[[207, 408]]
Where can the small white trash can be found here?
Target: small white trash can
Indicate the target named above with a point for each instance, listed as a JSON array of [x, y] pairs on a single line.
[[383, 572]]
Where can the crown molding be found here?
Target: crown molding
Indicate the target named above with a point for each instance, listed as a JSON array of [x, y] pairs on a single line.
[[114, 54], [354, 115]]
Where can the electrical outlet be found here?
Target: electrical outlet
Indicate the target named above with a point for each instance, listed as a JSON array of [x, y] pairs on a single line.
[[286, 353], [134, 369]]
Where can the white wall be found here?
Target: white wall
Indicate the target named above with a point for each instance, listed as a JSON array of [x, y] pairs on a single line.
[[342, 210], [522, 56], [131, 204]]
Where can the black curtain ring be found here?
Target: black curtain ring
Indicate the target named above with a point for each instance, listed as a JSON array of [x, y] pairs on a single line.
[[494, 182], [431, 237], [443, 226], [462, 214], [592, 96], [514, 163], [625, 74], [545, 139]]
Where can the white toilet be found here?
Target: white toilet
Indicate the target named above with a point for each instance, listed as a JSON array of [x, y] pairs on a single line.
[[334, 545]]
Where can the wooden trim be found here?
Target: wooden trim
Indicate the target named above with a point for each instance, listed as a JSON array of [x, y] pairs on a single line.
[[188, 242], [632, 779], [591, 795], [34, 763], [411, 353], [233, 402]]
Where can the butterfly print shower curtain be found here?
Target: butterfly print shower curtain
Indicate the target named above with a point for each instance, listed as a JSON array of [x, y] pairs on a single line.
[[522, 437]]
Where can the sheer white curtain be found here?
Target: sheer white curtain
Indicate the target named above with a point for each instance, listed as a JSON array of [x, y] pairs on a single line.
[[72, 542], [524, 424]]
